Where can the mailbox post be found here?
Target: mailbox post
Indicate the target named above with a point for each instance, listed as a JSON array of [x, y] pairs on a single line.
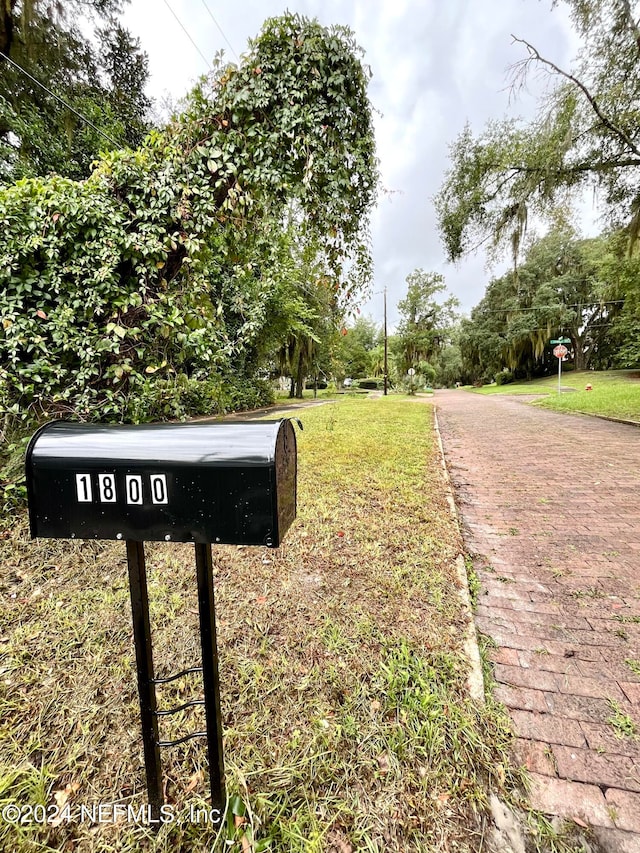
[[231, 483]]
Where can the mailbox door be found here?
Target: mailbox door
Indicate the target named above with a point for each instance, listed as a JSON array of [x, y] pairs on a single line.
[[286, 462]]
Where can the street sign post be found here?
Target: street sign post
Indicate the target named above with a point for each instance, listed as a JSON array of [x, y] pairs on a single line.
[[560, 351]]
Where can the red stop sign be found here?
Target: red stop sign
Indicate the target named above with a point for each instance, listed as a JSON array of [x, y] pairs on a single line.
[[560, 351]]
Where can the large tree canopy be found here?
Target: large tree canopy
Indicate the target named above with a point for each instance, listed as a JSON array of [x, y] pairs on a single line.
[[172, 259], [587, 132], [101, 78], [565, 286]]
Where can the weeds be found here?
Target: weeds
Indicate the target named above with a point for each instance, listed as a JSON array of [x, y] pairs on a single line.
[[473, 581], [621, 723], [634, 665]]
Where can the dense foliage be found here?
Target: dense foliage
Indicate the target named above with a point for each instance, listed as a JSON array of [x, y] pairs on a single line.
[[359, 351], [80, 53], [179, 261], [564, 287]]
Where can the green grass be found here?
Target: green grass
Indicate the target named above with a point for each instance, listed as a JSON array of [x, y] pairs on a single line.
[[283, 398], [615, 393], [347, 719]]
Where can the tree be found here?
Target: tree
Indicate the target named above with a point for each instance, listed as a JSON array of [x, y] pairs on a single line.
[[353, 354], [587, 133], [561, 288], [127, 71], [620, 276], [425, 322], [170, 260], [308, 312], [101, 78], [449, 368]]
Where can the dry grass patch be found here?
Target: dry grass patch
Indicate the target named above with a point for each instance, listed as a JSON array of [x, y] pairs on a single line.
[[346, 716]]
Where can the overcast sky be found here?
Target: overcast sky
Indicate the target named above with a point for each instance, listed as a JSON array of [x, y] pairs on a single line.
[[436, 64]]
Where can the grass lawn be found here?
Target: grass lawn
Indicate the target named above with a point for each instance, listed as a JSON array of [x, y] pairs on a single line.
[[615, 393], [346, 715]]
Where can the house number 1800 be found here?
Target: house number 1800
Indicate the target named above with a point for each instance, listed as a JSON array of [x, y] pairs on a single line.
[[152, 488]]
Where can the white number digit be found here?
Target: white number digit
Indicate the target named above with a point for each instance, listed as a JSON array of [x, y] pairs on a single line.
[[159, 489], [83, 488], [107, 487], [134, 488]]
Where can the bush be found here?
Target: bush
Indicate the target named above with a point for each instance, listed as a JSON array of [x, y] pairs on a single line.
[[504, 377], [320, 385], [368, 384], [239, 394], [182, 397], [173, 398]]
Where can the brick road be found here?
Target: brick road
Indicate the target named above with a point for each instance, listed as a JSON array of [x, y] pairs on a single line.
[[550, 507]]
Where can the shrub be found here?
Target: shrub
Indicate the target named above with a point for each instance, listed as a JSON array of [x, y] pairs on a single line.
[[182, 397], [504, 377], [239, 394], [368, 384]]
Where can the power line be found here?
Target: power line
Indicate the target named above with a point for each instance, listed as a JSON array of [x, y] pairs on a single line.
[[221, 30], [546, 331], [186, 32], [63, 102], [556, 305]]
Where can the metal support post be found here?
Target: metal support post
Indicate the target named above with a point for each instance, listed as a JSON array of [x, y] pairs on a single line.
[[144, 664], [386, 365], [204, 568]]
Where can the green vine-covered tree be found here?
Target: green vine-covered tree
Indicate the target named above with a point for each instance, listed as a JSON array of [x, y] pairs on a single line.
[[170, 260]]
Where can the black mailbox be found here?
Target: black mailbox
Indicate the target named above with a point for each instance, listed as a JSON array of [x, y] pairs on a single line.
[[232, 483]]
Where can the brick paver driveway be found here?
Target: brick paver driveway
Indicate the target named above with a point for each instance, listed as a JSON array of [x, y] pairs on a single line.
[[550, 505]]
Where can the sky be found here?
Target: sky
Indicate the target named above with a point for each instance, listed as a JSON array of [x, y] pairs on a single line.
[[436, 65]]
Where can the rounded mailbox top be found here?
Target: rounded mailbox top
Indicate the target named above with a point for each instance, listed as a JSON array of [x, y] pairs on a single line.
[[206, 444]]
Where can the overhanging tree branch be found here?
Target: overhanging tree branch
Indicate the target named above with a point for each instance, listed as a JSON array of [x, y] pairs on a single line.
[[599, 166], [535, 55]]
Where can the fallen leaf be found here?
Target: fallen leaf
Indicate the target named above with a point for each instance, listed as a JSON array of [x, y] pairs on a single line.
[[61, 798], [62, 795], [40, 313], [195, 782], [261, 599], [580, 822], [383, 763]]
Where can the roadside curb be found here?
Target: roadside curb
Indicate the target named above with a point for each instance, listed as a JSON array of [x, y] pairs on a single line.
[[606, 418], [475, 679]]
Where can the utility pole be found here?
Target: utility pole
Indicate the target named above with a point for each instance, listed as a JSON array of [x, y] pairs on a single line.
[[386, 375]]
